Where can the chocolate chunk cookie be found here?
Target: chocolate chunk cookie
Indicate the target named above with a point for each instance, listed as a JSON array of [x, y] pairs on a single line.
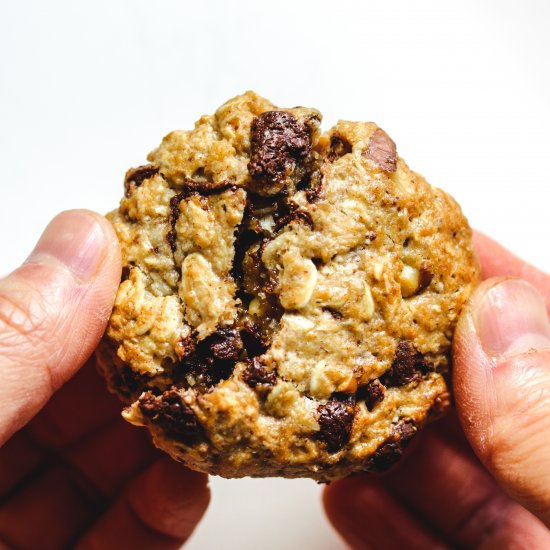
[[288, 297]]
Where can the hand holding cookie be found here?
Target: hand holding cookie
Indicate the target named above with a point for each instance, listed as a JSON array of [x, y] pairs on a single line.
[[76, 475], [441, 494]]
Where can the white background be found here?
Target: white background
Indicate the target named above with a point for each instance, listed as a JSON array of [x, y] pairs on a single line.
[[87, 89]]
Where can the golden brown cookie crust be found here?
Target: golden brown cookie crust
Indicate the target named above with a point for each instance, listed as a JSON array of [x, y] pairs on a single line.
[[288, 298]]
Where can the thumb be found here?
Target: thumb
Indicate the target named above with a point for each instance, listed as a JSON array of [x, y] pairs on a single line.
[[502, 387], [53, 311]]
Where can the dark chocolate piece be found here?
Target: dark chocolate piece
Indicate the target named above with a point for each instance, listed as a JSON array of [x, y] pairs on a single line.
[[288, 212], [407, 365], [170, 412], [254, 340], [225, 344], [136, 176], [315, 186], [372, 393], [279, 142], [336, 420], [339, 146], [382, 151], [257, 374], [391, 450]]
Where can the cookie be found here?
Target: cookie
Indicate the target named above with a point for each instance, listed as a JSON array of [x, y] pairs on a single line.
[[288, 296]]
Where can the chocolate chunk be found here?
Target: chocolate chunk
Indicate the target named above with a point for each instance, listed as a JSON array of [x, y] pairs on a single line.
[[186, 347], [170, 412], [279, 143], [288, 212], [136, 176], [254, 339], [129, 382], [339, 146], [256, 277], [125, 274], [257, 374], [382, 151], [407, 365], [391, 450], [315, 186], [425, 277], [336, 420], [372, 393], [224, 344], [205, 363], [244, 239], [203, 373]]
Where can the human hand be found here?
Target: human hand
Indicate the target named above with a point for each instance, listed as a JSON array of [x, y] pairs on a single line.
[[442, 495], [76, 474]]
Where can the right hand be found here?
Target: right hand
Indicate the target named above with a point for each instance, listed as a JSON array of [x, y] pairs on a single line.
[[486, 483]]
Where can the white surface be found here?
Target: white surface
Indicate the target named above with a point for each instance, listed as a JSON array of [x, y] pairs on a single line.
[[462, 87]]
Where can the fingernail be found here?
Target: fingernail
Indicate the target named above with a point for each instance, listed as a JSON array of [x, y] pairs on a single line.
[[74, 238], [512, 319]]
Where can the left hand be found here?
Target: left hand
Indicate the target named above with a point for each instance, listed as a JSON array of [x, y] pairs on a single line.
[[72, 472]]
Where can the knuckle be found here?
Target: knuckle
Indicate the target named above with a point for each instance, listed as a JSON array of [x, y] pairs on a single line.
[[519, 435]]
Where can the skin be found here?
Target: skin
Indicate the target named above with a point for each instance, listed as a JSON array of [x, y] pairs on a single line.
[[73, 473], [479, 478], [66, 453]]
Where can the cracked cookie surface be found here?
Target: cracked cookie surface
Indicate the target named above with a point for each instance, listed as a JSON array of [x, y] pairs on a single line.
[[288, 297]]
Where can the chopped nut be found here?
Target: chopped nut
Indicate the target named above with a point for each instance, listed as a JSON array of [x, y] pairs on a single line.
[[378, 270], [321, 386], [254, 307], [298, 323], [409, 279], [366, 305], [297, 281], [267, 223]]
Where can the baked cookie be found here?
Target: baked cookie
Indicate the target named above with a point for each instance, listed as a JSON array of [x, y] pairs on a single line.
[[288, 297]]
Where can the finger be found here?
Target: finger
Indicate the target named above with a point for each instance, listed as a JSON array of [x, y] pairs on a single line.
[[443, 490], [74, 487], [112, 456], [367, 516], [452, 492], [502, 387], [158, 510], [82, 410], [496, 261], [53, 311], [19, 456], [79, 408], [59, 503]]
